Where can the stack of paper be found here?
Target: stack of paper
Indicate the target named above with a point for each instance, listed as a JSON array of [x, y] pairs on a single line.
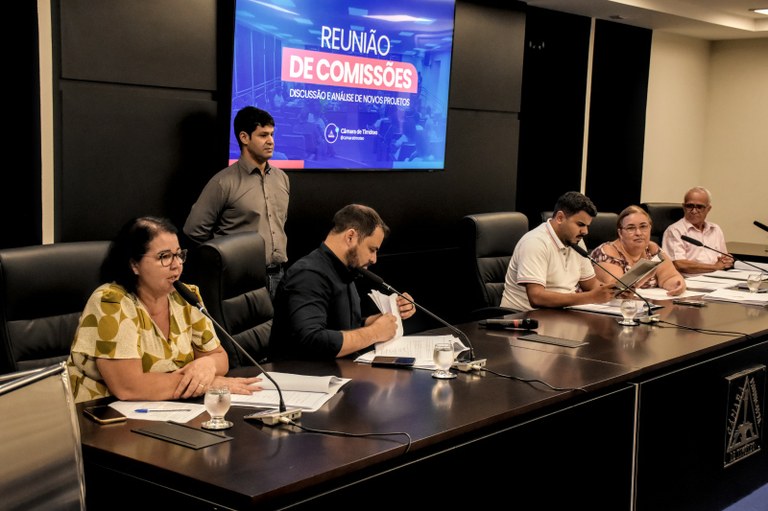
[[418, 346], [708, 283], [741, 265], [306, 392], [731, 274], [736, 296], [659, 293]]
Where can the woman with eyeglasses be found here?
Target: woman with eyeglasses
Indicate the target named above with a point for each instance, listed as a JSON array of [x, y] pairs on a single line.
[[633, 244], [138, 339]]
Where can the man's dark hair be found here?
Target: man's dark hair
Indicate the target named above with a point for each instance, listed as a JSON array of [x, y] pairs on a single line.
[[571, 203], [361, 218], [129, 246], [249, 118]]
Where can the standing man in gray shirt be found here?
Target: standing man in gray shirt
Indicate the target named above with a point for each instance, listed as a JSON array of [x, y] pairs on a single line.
[[249, 195]]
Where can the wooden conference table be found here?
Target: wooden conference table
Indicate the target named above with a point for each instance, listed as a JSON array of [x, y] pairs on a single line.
[[655, 425]]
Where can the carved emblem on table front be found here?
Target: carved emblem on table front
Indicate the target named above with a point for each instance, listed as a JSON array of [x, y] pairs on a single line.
[[744, 421]]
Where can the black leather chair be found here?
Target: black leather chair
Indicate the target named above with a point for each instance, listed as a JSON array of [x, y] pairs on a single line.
[[602, 228], [663, 214], [488, 241], [43, 290], [231, 273]]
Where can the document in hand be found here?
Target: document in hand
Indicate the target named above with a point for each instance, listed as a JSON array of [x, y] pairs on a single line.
[[387, 304], [306, 392], [639, 271], [419, 347]]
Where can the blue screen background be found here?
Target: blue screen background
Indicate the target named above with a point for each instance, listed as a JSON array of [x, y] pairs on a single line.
[[393, 130]]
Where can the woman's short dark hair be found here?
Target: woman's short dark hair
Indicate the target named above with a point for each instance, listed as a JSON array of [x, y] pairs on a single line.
[[129, 246], [361, 218], [571, 203]]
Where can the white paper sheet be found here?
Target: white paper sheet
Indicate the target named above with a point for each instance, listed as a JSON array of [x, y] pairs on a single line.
[[387, 304], [741, 265], [730, 274], [743, 297], [306, 392], [185, 411], [612, 307], [706, 283], [659, 293]]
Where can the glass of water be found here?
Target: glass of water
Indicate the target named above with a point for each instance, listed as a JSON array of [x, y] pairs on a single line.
[[217, 402], [442, 355], [628, 312], [753, 281]]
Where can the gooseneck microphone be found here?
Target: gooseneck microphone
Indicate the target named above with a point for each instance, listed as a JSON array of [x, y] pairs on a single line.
[[761, 225], [583, 253], [270, 417], [698, 243], [380, 282]]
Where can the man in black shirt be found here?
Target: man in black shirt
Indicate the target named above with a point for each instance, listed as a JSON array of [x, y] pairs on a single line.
[[317, 307]]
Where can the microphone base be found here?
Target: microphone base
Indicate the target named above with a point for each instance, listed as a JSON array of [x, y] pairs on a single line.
[[653, 318], [470, 366], [275, 417]]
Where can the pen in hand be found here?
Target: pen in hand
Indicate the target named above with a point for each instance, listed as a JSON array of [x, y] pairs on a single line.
[[147, 410]]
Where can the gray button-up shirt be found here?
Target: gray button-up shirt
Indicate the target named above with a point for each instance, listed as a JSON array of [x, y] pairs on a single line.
[[239, 198]]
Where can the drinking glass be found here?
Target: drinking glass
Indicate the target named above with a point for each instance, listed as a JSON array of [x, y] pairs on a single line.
[[628, 311], [753, 281], [443, 358], [217, 402]]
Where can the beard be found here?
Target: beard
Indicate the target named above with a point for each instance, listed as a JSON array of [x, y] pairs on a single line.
[[573, 240], [351, 258]]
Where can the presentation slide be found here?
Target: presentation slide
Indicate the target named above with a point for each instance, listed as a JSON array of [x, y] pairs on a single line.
[[352, 85]]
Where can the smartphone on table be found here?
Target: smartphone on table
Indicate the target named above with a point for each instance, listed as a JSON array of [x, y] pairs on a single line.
[[689, 302], [387, 361], [103, 414]]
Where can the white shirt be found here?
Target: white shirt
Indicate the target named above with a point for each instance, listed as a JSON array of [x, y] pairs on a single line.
[[712, 236], [541, 258]]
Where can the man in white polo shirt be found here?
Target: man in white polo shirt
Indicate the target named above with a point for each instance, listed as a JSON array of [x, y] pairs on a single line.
[[545, 271], [687, 257]]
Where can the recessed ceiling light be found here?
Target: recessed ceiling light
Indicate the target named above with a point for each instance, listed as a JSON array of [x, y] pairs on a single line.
[[763, 10]]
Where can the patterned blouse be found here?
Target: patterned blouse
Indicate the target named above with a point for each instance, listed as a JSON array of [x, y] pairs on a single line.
[[600, 256], [116, 325]]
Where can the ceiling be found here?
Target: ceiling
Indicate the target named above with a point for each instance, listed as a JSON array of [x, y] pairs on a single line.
[[703, 19]]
